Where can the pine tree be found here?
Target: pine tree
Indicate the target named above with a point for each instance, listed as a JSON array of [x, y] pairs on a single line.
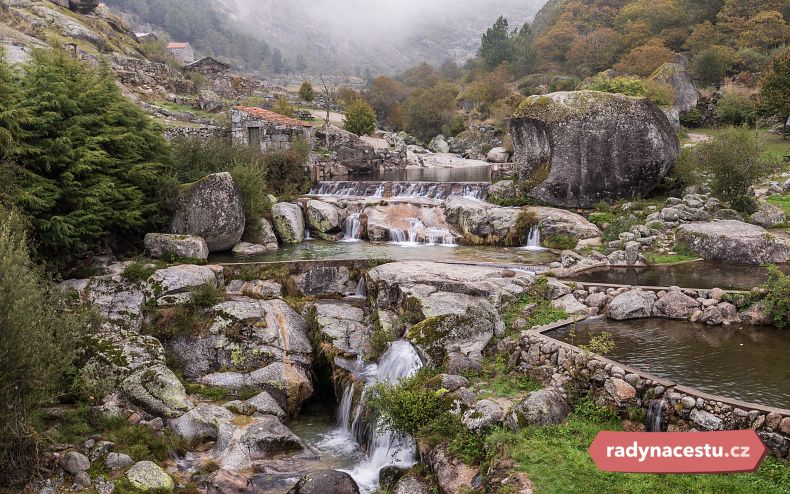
[[496, 47], [306, 92], [92, 166], [775, 89]]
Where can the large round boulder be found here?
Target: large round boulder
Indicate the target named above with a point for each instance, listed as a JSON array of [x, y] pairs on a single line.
[[146, 476], [583, 147], [322, 217], [211, 208], [734, 242], [288, 222], [674, 75], [326, 482]]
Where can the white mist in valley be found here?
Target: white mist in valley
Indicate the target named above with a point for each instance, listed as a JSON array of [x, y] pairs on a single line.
[[354, 35]]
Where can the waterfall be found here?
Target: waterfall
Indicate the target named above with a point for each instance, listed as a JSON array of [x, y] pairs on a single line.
[[397, 236], [430, 190], [362, 289], [533, 239], [352, 228], [307, 235], [383, 447], [654, 420]]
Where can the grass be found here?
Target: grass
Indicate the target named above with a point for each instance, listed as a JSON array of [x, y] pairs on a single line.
[[781, 201], [138, 441], [556, 460], [535, 310]]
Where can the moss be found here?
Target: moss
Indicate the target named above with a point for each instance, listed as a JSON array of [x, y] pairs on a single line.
[[428, 331], [574, 104]]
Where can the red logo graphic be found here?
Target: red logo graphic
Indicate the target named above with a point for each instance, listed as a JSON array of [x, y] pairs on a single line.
[[678, 452]]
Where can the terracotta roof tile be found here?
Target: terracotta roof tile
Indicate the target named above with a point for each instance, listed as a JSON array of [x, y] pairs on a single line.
[[178, 45], [273, 117]]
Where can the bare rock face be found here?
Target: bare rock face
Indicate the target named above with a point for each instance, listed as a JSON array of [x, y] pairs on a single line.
[[734, 242], [686, 94], [584, 147], [83, 6], [211, 208]]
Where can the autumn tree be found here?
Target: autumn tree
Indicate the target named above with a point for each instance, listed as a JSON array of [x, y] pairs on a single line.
[[775, 89], [644, 60], [594, 52], [428, 111], [386, 96], [713, 63], [360, 118]]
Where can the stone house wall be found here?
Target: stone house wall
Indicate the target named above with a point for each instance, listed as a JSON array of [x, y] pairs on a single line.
[[276, 133], [203, 133]]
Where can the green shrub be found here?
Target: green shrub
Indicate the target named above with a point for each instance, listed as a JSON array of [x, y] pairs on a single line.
[[600, 219], [91, 168], [734, 161], [735, 109], [251, 180], [138, 271], [561, 242], [205, 296], [283, 107], [306, 92], [38, 340], [685, 173], [778, 299], [287, 172], [190, 318], [564, 84], [410, 405], [693, 119], [360, 118], [629, 86]]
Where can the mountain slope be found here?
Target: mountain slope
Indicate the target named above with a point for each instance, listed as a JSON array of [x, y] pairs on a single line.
[[355, 35]]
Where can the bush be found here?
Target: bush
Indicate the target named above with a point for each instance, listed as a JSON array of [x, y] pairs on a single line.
[[38, 340], [360, 119], [734, 161], [561, 242], [712, 64], [630, 86], [251, 180], [428, 111], [91, 167], [693, 119], [734, 109], [778, 299], [564, 84], [684, 174], [410, 405], [283, 107], [138, 271], [286, 172], [306, 92]]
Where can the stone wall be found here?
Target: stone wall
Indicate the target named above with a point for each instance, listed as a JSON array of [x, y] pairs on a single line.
[[620, 386], [203, 133], [274, 136]]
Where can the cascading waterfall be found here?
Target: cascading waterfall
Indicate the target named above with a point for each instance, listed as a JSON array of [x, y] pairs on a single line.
[[533, 239], [430, 235], [430, 190], [307, 235], [352, 228], [383, 447], [654, 419], [362, 288]]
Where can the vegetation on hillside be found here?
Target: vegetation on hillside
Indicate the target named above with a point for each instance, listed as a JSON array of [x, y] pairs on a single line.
[[209, 30], [38, 342]]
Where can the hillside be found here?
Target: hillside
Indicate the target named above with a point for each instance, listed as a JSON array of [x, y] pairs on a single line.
[[383, 38]]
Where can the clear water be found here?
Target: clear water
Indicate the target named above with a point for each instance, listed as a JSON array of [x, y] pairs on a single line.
[[702, 274], [745, 363], [406, 251]]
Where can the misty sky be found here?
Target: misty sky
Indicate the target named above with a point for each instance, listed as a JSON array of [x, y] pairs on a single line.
[[398, 32]]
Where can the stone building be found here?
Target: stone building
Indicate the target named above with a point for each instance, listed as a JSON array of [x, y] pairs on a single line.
[[182, 51], [208, 67], [270, 131]]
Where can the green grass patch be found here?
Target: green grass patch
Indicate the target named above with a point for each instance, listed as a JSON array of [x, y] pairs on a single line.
[[533, 307], [561, 242], [681, 253], [556, 460], [781, 201]]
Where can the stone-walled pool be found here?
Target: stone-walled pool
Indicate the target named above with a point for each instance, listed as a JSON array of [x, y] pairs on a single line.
[[748, 364]]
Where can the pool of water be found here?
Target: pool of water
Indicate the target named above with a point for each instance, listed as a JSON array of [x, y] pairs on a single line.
[[744, 363], [701, 274], [461, 174], [323, 250]]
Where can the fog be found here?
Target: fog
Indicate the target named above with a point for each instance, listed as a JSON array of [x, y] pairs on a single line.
[[382, 35]]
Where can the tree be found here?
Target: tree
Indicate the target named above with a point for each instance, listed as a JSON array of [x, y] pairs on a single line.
[[523, 52], [713, 63], [428, 111], [37, 350], [360, 118], [734, 160], [764, 31], [734, 108], [301, 65], [306, 92], [702, 36], [594, 52], [775, 89], [644, 60], [496, 46], [91, 167], [421, 76], [386, 95], [277, 63]]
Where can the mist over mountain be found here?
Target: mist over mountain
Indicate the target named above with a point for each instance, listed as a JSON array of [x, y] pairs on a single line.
[[355, 35]]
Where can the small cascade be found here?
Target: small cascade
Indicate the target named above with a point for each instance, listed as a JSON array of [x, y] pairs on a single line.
[[654, 420], [430, 190], [533, 239], [397, 236], [352, 228], [418, 234], [362, 288], [307, 235]]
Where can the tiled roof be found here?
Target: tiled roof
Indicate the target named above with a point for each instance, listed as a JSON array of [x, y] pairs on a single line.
[[178, 45], [273, 117]]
